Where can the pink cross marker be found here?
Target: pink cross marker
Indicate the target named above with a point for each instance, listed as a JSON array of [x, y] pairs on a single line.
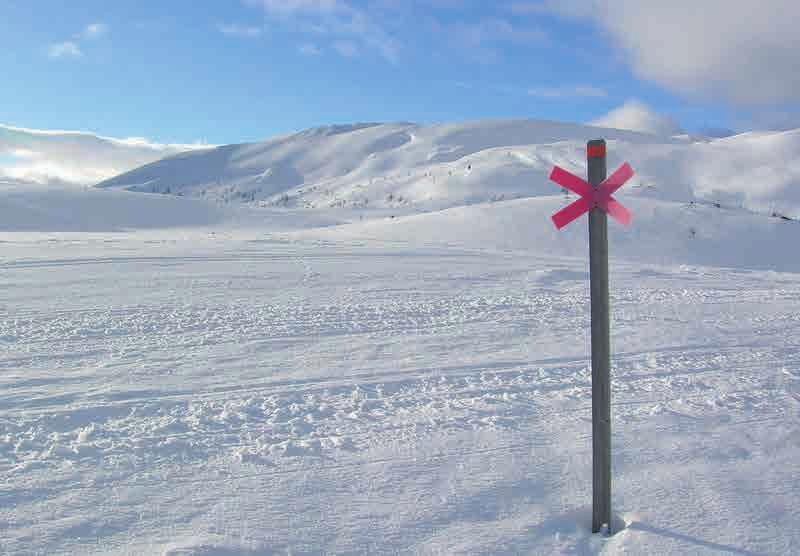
[[591, 197]]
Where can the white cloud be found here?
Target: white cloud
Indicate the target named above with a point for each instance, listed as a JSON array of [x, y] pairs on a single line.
[[338, 20], [637, 116], [94, 31], [481, 39], [740, 50], [242, 31], [72, 48], [578, 91], [66, 49], [74, 157], [491, 30], [390, 27], [299, 6]]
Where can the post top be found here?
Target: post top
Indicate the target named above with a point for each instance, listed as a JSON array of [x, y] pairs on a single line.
[[596, 148]]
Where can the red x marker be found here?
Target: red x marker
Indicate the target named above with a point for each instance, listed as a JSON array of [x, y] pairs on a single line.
[[591, 197]]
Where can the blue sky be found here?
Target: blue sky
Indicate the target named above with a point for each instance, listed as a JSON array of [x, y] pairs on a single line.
[[228, 70]]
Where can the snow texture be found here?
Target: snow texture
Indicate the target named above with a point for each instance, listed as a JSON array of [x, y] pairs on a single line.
[[185, 376]]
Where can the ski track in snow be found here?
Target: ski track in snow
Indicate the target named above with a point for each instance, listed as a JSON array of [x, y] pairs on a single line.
[[257, 397]]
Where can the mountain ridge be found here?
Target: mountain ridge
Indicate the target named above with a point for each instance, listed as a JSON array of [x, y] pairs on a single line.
[[296, 167], [429, 167]]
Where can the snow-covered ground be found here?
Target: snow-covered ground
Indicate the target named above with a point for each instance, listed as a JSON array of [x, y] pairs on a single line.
[[184, 377]]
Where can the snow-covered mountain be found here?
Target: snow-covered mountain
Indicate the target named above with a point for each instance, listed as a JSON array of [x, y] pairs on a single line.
[[730, 202], [402, 368], [408, 166]]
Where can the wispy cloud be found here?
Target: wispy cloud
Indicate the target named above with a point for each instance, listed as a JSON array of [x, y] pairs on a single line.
[[485, 39], [392, 28], [241, 31], [567, 92], [637, 116], [338, 21], [494, 30], [94, 31], [571, 92], [72, 48], [67, 49], [303, 6], [41, 156]]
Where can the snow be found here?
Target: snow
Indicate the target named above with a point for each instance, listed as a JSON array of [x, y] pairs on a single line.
[[187, 376], [418, 168]]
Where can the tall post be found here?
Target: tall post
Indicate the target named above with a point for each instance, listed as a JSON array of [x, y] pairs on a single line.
[[601, 346]]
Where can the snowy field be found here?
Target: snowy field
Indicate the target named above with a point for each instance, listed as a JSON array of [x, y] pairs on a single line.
[[187, 377]]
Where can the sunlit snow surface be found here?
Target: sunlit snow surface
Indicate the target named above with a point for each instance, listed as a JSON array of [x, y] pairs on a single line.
[[190, 378]]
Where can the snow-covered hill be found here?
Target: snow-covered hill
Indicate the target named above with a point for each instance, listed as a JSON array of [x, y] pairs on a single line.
[[407, 166], [381, 166], [404, 367], [43, 209], [695, 200], [663, 232]]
